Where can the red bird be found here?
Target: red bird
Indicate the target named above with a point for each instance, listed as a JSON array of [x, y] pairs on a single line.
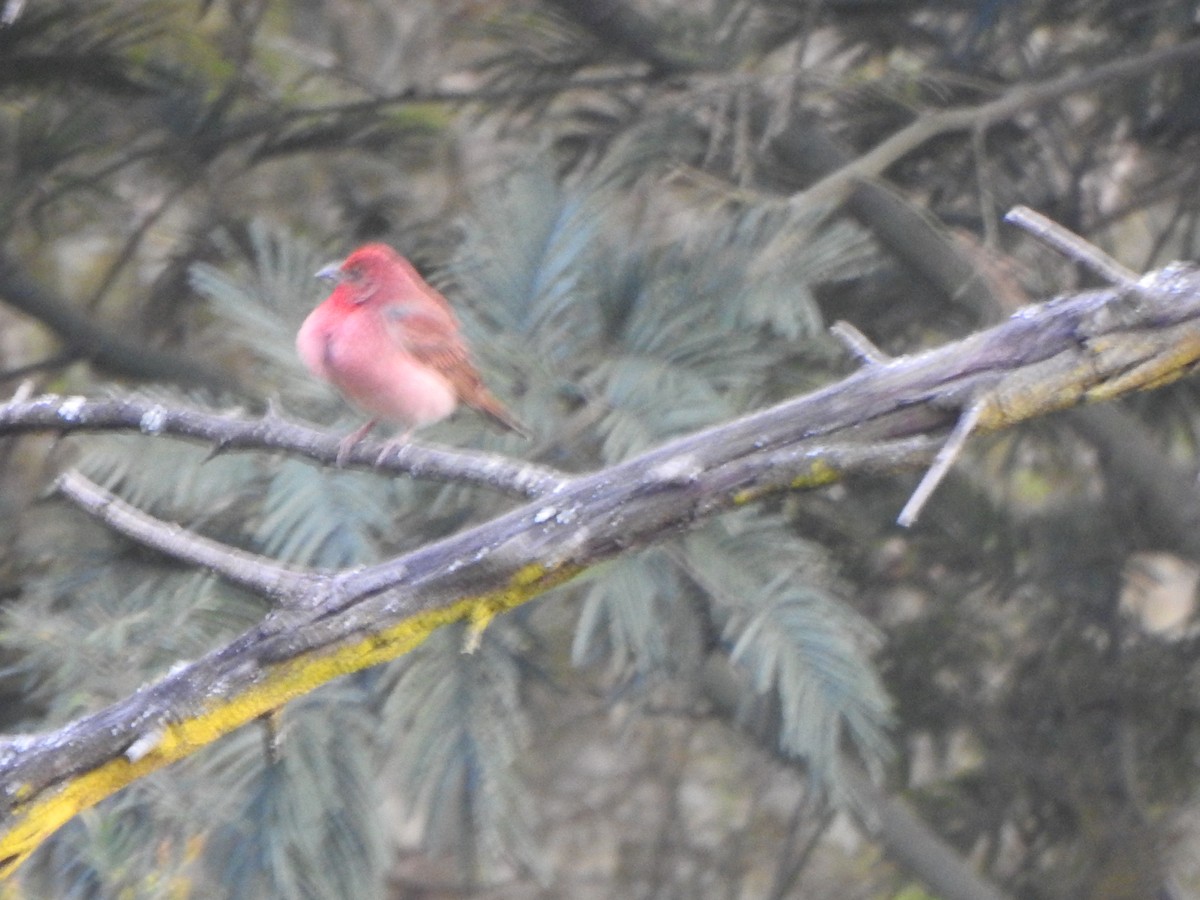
[[392, 345]]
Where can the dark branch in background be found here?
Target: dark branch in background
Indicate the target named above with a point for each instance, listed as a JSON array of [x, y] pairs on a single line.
[[314, 128], [1159, 491], [1016, 100], [103, 347], [90, 71], [908, 840], [416, 98], [57, 361], [230, 432], [619, 24], [910, 233]]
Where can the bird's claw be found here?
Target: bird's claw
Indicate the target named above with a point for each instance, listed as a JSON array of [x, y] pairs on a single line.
[[391, 445]]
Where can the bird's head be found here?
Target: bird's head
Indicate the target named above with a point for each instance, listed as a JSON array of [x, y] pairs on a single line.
[[370, 272]]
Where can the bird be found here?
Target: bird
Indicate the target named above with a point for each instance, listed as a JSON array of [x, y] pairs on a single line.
[[392, 345]]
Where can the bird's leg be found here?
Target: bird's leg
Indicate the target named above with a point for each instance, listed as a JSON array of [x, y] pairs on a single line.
[[350, 441]]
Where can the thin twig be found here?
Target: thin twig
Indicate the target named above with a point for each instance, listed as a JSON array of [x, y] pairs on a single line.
[[134, 241], [259, 574], [410, 97], [861, 346], [1022, 97], [945, 458], [1072, 245]]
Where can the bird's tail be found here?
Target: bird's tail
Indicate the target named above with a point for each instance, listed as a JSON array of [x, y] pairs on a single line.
[[485, 402]]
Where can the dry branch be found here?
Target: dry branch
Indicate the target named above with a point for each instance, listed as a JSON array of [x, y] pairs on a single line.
[[229, 432], [892, 413]]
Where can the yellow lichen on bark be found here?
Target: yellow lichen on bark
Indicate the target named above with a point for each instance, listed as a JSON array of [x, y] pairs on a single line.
[[44, 814]]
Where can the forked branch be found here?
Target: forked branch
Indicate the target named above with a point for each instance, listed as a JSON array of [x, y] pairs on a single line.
[[891, 413]]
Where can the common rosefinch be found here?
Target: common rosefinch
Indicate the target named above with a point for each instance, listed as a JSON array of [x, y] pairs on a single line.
[[391, 344]]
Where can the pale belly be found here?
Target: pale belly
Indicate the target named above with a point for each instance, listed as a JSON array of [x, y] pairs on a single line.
[[386, 382]]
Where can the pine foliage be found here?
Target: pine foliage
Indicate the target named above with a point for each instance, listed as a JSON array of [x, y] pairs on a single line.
[[678, 355], [455, 727], [801, 646], [303, 819]]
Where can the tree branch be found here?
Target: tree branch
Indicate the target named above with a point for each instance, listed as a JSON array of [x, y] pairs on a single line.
[[907, 839], [621, 25], [1018, 99], [228, 432], [1072, 246], [257, 573], [85, 339], [1090, 346]]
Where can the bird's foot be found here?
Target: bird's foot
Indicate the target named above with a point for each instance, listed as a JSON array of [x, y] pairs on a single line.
[[392, 444], [350, 441]]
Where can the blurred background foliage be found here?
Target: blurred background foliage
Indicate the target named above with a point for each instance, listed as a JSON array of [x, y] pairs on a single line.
[[607, 192]]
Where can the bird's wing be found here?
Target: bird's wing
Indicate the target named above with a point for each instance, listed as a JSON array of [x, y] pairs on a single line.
[[431, 336]]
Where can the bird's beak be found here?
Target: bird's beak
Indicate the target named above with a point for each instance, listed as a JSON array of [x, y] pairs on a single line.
[[331, 272]]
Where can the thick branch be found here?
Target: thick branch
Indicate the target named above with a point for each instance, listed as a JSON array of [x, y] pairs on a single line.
[[1091, 346]]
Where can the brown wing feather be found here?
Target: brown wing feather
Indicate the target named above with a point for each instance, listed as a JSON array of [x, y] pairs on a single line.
[[431, 336]]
